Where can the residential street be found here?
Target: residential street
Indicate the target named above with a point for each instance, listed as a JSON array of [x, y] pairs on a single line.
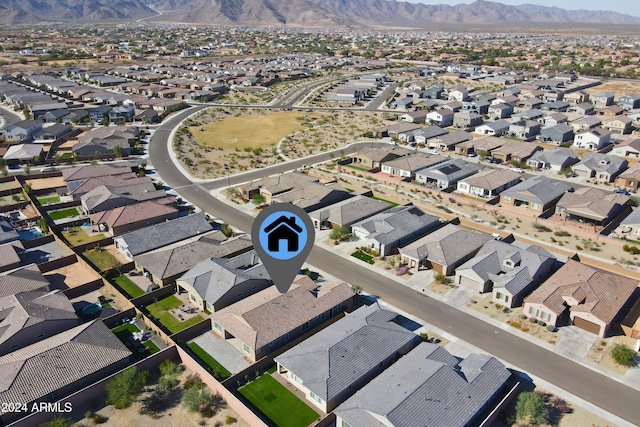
[[583, 382]]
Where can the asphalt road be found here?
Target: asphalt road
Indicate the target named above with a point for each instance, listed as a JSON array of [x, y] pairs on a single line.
[[598, 389]]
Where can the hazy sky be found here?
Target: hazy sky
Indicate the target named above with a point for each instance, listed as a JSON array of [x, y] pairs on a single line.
[[629, 7]]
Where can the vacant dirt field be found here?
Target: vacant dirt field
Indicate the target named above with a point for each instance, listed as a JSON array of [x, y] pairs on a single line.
[[618, 88]]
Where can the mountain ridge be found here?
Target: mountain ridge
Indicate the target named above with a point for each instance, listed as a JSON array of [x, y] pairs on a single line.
[[311, 13]]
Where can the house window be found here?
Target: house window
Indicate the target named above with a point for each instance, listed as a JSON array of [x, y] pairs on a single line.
[[246, 348], [545, 315], [533, 311], [507, 198], [305, 326], [295, 378], [345, 424], [535, 206], [463, 186], [192, 297], [217, 326], [210, 307], [502, 297], [315, 397], [636, 231]]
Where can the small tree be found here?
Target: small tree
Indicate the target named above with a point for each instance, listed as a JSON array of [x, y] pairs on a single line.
[[623, 355], [156, 401], [200, 399], [27, 188], [258, 199], [169, 374], [27, 113], [57, 422], [125, 387], [530, 407], [226, 229], [27, 169], [44, 226], [117, 151], [341, 233]]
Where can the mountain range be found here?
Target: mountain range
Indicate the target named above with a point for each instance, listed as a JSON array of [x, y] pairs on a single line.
[[308, 13]]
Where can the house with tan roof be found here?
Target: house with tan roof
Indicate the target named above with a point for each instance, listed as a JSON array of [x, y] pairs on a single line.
[[627, 148], [249, 324], [76, 176], [592, 206], [619, 124], [629, 179], [106, 197], [29, 317], [592, 299], [444, 249], [132, 217], [58, 366], [489, 182], [536, 194], [476, 146], [515, 150], [602, 167], [81, 187], [372, 158]]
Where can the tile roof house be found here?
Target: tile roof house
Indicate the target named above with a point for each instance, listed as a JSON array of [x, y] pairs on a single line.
[[428, 387], [7, 232], [106, 197], [407, 166], [83, 186], [216, 283], [82, 173], [168, 263], [131, 217], [594, 299], [629, 226], [372, 158], [594, 139], [331, 365], [476, 146], [629, 179], [602, 167], [347, 212], [536, 194], [60, 365], [22, 153], [556, 159], [448, 142], [602, 99], [524, 129], [515, 150], [28, 317], [10, 255], [299, 189], [497, 128], [447, 174], [303, 307], [165, 233], [509, 270], [627, 148], [591, 205], [618, 124], [442, 117], [395, 227], [23, 279], [444, 249], [489, 182]]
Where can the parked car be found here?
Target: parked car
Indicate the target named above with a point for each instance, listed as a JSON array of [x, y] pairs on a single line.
[[152, 287], [48, 169], [517, 170], [621, 191]]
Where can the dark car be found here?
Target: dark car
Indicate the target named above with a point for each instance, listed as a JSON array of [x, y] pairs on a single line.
[[152, 287], [621, 191]]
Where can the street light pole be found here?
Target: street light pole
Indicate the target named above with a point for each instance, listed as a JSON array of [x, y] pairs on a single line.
[[226, 168]]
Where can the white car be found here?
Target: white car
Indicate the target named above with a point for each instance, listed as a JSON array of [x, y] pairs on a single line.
[[517, 170], [48, 169]]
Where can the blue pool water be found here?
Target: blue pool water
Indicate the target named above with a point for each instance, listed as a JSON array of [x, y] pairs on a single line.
[[30, 233]]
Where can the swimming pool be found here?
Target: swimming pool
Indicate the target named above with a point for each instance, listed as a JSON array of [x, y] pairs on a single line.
[[30, 233]]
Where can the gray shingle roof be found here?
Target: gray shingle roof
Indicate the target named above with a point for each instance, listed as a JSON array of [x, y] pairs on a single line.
[[602, 163], [214, 277], [7, 233], [555, 157], [452, 171], [165, 263], [126, 194], [537, 190], [394, 224], [446, 245], [165, 233], [351, 210], [92, 171], [23, 279], [427, 387], [37, 370], [343, 353]]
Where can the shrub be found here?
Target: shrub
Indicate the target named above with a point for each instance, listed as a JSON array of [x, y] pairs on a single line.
[[125, 387], [634, 250], [626, 248], [229, 420], [523, 316], [402, 270], [99, 419], [515, 324], [530, 407], [540, 227], [533, 320], [88, 414], [543, 324], [562, 233], [623, 355]]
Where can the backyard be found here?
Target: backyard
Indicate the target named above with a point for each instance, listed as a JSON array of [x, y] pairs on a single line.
[[219, 371], [161, 311], [129, 288], [101, 259], [63, 213], [76, 236], [279, 404], [140, 350], [49, 199]]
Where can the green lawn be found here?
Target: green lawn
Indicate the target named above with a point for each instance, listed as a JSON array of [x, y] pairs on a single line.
[[219, 371], [357, 168], [363, 257], [279, 404], [160, 310], [102, 259], [129, 288], [76, 236], [64, 213], [49, 199], [123, 332]]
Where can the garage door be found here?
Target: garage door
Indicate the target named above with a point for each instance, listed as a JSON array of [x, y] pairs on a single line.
[[586, 325], [469, 283]]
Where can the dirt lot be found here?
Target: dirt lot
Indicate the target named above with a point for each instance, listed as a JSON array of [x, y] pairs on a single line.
[[246, 139], [42, 183], [600, 353], [618, 88], [71, 276]]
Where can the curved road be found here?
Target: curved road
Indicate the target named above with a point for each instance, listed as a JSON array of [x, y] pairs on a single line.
[[593, 387]]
